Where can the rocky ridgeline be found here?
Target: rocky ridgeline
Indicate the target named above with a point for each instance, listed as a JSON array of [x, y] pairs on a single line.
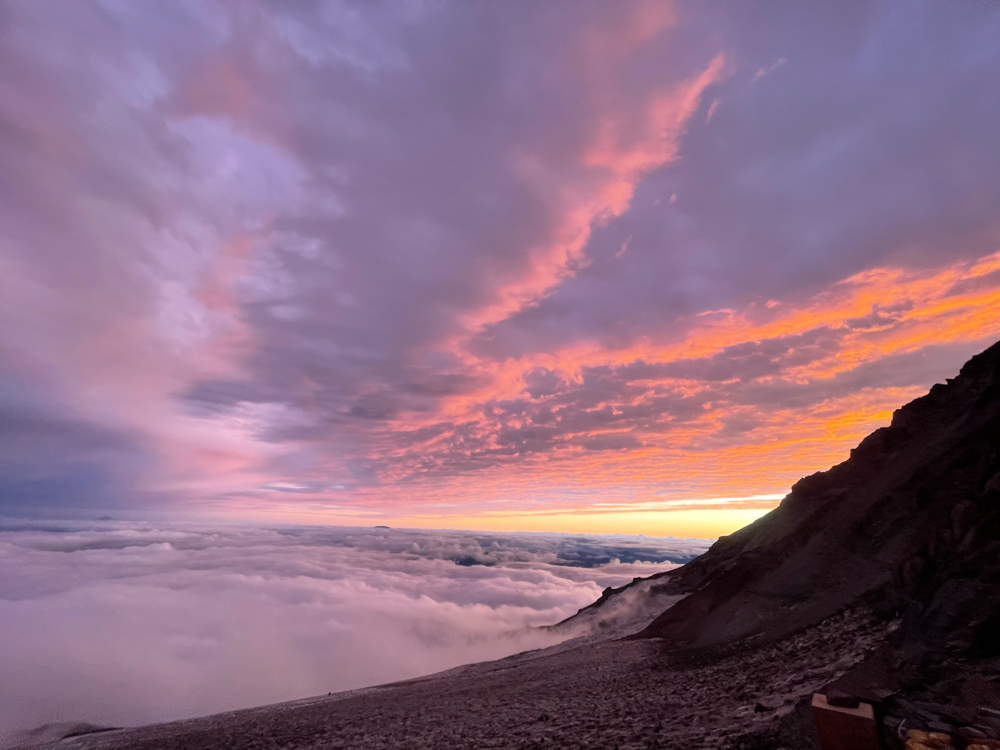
[[910, 522], [910, 526]]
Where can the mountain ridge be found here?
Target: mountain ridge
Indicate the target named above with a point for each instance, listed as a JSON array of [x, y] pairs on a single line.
[[915, 504]]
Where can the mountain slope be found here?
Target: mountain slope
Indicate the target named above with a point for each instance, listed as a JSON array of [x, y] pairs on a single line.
[[910, 523]]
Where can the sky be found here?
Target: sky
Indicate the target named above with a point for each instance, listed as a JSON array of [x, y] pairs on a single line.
[[119, 623], [559, 266]]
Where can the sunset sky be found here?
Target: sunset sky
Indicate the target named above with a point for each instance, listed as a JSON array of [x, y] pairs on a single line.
[[566, 265]]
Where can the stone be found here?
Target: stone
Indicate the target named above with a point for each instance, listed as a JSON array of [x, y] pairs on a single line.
[[845, 728], [971, 733], [841, 699]]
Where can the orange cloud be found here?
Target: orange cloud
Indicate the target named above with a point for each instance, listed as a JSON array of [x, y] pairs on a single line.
[[626, 145], [679, 464], [625, 155]]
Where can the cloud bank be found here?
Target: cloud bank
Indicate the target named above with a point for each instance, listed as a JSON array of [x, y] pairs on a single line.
[[447, 260], [124, 622]]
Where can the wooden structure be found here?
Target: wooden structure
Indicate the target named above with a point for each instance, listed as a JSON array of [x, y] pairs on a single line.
[[842, 728]]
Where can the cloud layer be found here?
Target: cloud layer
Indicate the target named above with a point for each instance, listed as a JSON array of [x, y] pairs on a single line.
[[444, 260], [118, 623]]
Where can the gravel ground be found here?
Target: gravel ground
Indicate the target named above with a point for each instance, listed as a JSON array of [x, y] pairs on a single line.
[[601, 695]]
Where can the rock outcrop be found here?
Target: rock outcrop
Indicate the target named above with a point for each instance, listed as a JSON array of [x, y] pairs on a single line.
[[909, 524], [908, 528]]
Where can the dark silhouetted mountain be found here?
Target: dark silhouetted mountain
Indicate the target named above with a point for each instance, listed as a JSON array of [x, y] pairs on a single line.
[[910, 523]]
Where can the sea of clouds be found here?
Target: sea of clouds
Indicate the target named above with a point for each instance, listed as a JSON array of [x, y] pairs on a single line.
[[120, 623]]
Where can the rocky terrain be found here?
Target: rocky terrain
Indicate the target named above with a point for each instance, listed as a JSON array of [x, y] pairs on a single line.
[[911, 522], [877, 580], [601, 695]]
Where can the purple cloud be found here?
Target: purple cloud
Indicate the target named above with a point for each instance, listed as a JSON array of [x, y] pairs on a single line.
[[362, 253]]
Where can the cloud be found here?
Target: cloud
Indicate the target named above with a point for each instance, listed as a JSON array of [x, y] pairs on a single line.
[[385, 258], [127, 622]]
